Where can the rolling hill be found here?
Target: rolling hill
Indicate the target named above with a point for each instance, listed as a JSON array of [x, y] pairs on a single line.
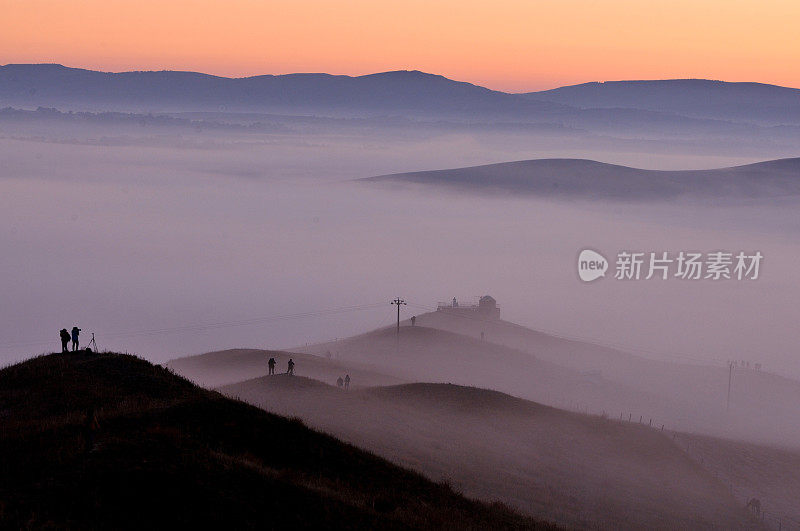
[[214, 369], [588, 179], [579, 375], [577, 470], [694, 395], [112, 442], [432, 355], [536, 366]]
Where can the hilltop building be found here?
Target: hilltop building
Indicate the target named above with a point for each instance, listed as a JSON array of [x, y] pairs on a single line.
[[485, 309]]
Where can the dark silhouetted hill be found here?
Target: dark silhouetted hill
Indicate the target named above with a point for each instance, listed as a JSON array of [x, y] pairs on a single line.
[[587, 179], [167, 454]]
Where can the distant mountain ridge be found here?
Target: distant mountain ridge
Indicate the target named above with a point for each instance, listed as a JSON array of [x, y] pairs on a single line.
[[405, 92], [700, 98]]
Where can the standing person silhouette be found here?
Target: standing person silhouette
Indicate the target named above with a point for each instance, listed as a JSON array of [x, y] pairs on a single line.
[[290, 370], [75, 332], [271, 365], [347, 381], [64, 340]]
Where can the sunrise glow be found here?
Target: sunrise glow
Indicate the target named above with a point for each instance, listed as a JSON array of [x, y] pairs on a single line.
[[510, 45]]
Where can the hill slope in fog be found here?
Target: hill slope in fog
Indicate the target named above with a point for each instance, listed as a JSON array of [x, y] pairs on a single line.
[[431, 355], [693, 396], [588, 179], [214, 369], [540, 367], [577, 470], [580, 375], [766, 473], [167, 454]]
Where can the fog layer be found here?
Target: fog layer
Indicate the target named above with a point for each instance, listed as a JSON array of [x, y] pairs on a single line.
[[167, 241]]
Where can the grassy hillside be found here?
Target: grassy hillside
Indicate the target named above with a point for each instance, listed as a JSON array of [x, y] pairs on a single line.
[[577, 470], [166, 453]]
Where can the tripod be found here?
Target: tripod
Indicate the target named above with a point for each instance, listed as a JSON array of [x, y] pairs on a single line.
[[91, 343]]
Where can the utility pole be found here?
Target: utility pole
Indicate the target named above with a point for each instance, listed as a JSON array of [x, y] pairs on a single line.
[[730, 378], [398, 302]]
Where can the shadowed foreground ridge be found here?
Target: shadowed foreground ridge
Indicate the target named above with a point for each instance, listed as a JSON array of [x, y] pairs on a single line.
[[168, 453]]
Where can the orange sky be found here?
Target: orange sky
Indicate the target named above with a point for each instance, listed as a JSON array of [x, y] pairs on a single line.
[[510, 45]]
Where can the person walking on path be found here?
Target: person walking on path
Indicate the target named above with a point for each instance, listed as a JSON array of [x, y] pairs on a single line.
[[271, 365], [347, 381], [290, 370]]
